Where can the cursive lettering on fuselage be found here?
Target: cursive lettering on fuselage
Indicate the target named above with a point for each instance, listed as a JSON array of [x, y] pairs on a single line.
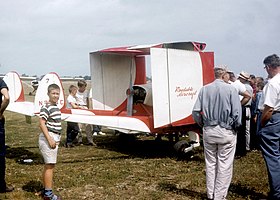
[[185, 91]]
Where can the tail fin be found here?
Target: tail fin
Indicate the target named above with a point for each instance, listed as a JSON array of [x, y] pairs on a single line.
[[17, 101], [42, 97], [12, 79]]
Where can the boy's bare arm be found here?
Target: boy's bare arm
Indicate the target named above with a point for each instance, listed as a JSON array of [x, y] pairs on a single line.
[[43, 127]]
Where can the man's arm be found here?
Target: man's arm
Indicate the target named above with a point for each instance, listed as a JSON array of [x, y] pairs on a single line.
[[197, 110], [266, 115], [246, 97], [5, 102]]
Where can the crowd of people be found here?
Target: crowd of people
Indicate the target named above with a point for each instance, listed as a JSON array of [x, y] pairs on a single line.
[[238, 115]]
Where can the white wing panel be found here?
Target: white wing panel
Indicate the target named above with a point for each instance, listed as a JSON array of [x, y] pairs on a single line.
[[159, 69], [185, 79], [127, 124], [25, 108]]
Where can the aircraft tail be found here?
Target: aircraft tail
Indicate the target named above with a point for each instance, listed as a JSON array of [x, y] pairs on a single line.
[[42, 97], [17, 100], [12, 79]]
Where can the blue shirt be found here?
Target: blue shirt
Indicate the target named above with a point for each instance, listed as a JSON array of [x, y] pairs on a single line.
[[218, 103]]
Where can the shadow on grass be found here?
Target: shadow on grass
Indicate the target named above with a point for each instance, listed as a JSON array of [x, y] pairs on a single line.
[[239, 190], [22, 155], [143, 147], [170, 187], [235, 191], [33, 186]]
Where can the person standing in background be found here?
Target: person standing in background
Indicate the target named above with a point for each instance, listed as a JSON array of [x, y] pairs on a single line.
[[4, 102], [269, 132], [82, 97]]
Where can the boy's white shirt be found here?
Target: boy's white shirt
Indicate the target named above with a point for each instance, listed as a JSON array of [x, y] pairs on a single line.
[[82, 97], [70, 99]]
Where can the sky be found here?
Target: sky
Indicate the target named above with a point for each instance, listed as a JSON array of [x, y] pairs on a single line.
[[37, 36]]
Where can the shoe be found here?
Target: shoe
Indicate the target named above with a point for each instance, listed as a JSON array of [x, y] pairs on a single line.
[[95, 133], [101, 133], [80, 144], [9, 188], [69, 145], [92, 144]]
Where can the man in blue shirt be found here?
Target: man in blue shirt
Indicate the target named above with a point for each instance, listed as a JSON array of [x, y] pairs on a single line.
[[218, 111]]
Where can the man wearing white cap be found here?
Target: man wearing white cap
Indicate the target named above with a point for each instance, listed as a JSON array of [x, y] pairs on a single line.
[[245, 99], [246, 110]]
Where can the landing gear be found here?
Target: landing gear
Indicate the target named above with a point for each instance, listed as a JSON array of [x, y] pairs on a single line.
[[184, 147]]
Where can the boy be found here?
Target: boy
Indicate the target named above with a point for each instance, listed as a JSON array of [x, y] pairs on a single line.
[[72, 127], [50, 125], [83, 101]]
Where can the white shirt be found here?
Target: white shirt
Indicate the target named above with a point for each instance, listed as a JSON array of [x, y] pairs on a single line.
[[82, 98], [70, 99], [240, 87], [271, 93]]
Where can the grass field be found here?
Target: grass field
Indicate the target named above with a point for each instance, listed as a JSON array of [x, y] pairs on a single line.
[[120, 168]]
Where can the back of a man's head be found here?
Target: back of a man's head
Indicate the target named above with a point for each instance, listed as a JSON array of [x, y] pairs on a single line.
[[219, 72], [272, 61]]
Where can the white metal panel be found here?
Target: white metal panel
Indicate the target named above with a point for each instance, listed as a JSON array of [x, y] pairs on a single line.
[[25, 108], [159, 69], [185, 80], [110, 79], [14, 84], [126, 124], [176, 80], [96, 80], [42, 97]]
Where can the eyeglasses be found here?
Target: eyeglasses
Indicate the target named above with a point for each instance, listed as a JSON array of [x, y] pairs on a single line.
[[266, 66]]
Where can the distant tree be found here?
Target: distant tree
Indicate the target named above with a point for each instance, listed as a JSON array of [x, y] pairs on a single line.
[[87, 77]]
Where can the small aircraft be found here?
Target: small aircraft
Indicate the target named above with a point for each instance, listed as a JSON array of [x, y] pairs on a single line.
[[123, 100]]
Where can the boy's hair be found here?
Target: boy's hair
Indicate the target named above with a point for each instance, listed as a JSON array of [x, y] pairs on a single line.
[[260, 85], [53, 87], [82, 83], [71, 88]]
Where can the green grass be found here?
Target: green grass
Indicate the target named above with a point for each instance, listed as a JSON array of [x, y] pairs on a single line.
[[133, 169]]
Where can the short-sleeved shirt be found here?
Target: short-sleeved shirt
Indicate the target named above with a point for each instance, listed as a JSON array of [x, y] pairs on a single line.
[[240, 87], [82, 98], [70, 99], [271, 93], [52, 115], [2, 85]]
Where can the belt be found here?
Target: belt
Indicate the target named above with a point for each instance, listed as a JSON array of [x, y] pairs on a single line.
[[276, 111]]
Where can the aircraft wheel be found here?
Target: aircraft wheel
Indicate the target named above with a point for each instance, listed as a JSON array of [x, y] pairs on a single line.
[[181, 145]]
